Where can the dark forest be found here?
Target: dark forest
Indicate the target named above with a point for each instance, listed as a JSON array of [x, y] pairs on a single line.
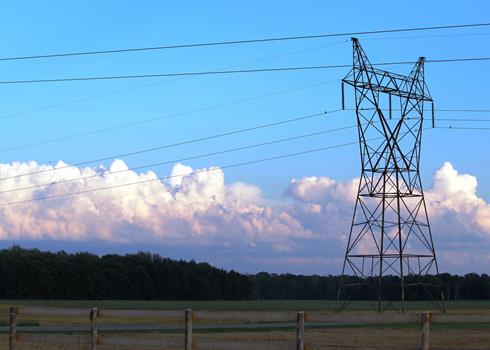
[[35, 274]]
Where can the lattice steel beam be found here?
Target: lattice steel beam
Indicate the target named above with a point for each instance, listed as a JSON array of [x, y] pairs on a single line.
[[390, 234]]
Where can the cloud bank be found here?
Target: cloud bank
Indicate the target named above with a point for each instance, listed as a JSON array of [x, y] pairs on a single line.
[[307, 227], [196, 207]]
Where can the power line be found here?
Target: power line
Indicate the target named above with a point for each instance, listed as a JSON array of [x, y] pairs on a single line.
[[178, 74], [466, 59], [186, 142], [246, 41], [235, 165], [471, 110], [152, 120], [89, 98], [462, 120], [461, 128], [228, 72], [298, 137], [452, 35], [202, 109], [474, 110], [291, 53]]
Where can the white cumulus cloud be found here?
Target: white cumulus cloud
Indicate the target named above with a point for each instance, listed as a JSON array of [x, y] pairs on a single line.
[[459, 218], [190, 206], [453, 200], [197, 207]]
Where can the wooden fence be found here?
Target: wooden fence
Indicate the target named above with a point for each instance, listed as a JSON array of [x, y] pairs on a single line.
[[188, 316]]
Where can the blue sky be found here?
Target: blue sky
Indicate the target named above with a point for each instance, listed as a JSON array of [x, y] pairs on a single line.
[[31, 28]]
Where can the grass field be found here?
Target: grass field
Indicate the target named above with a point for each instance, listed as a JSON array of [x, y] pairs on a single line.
[[390, 338], [452, 336], [256, 305], [473, 306]]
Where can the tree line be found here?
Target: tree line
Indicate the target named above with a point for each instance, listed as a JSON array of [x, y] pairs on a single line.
[[35, 274], [471, 286]]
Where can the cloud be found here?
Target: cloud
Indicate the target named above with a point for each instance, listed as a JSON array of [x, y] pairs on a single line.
[[454, 203], [452, 198], [324, 205], [460, 219], [196, 207], [322, 190]]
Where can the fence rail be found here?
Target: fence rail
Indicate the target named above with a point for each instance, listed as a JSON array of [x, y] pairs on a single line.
[[188, 316]]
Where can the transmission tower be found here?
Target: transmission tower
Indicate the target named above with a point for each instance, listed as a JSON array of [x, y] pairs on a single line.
[[390, 241]]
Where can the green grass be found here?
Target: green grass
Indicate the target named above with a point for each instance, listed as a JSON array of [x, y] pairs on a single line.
[[256, 305], [474, 306]]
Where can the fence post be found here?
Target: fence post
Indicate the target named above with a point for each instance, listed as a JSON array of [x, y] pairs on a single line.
[[188, 329], [300, 330], [93, 328], [426, 330], [13, 327]]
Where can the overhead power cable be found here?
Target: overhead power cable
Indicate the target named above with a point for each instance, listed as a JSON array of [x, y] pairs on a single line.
[[462, 128], [228, 72], [177, 74], [451, 60], [234, 165], [472, 110], [180, 143], [405, 37], [246, 41], [164, 117], [202, 109], [236, 149], [121, 91], [461, 120]]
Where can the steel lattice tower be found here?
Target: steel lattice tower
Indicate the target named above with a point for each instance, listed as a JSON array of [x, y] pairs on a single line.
[[390, 238]]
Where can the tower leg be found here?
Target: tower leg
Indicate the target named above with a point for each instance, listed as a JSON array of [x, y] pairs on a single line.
[[390, 227]]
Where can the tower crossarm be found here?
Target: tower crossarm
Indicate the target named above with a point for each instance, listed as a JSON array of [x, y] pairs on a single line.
[[390, 237], [386, 82]]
